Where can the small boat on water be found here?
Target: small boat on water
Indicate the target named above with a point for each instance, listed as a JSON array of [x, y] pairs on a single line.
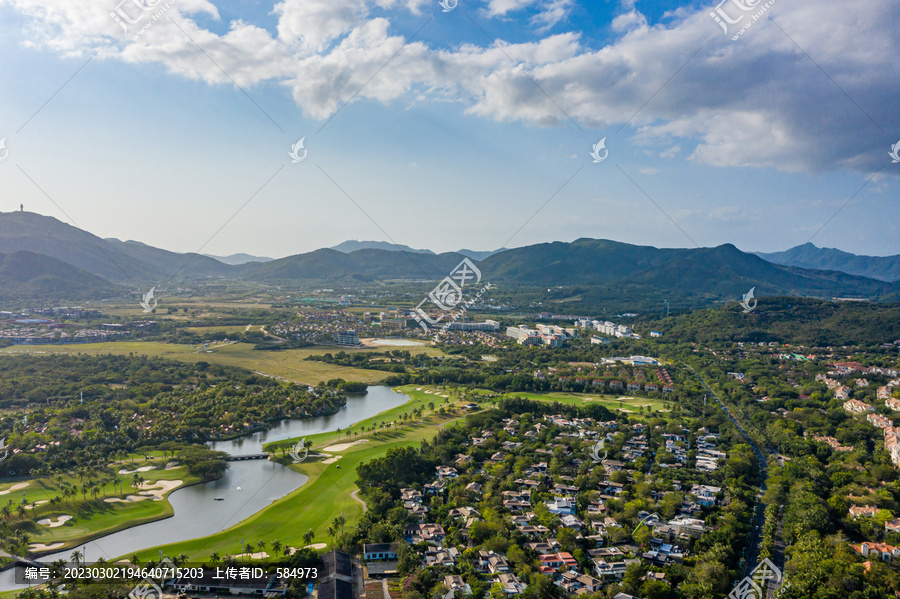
[[219, 499]]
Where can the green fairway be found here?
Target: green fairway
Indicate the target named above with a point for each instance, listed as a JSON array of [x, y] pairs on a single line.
[[324, 497], [627, 404], [54, 521]]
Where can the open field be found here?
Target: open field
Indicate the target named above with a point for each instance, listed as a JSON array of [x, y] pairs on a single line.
[[229, 329], [289, 364], [612, 402]]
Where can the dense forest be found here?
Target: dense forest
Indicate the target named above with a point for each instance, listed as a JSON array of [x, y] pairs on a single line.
[[91, 407]]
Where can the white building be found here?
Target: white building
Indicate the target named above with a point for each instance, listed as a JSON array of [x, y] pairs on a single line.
[[347, 338]]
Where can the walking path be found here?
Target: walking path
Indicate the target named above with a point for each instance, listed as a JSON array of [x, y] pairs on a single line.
[[356, 497]]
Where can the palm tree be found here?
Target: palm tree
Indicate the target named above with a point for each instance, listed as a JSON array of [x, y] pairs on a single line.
[[308, 537], [260, 544], [276, 546], [135, 560], [76, 557], [330, 532], [181, 558], [135, 480], [214, 558]]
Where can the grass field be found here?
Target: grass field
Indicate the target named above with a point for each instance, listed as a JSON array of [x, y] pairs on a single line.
[[289, 364], [612, 402], [230, 329]]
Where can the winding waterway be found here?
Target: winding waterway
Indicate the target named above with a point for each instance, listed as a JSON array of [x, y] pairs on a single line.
[[198, 514]]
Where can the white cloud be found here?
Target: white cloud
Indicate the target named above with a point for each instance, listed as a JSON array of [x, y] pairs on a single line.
[[758, 102], [549, 12]]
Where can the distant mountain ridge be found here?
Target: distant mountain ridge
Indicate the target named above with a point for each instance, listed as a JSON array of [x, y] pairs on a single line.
[[723, 271], [350, 246], [239, 258], [112, 259], [585, 272], [883, 268]]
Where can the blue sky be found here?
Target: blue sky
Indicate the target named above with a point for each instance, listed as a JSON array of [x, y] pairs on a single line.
[[461, 136]]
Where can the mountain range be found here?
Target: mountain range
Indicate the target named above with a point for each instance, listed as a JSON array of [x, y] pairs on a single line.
[[883, 268], [350, 246], [44, 253]]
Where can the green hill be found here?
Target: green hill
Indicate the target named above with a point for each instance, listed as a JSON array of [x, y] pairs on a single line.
[[595, 266], [111, 259], [793, 320], [26, 275]]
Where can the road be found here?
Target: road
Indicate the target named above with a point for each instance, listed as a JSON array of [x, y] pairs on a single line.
[[756, 534]]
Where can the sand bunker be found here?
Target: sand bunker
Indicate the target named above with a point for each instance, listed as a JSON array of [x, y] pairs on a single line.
[[141, 469], [293, 550], [42, 547], [344, 446], [172, 465], [331, 460], [15, 487], [257, 555], [128, 499], [49, 522], [154, 491]]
